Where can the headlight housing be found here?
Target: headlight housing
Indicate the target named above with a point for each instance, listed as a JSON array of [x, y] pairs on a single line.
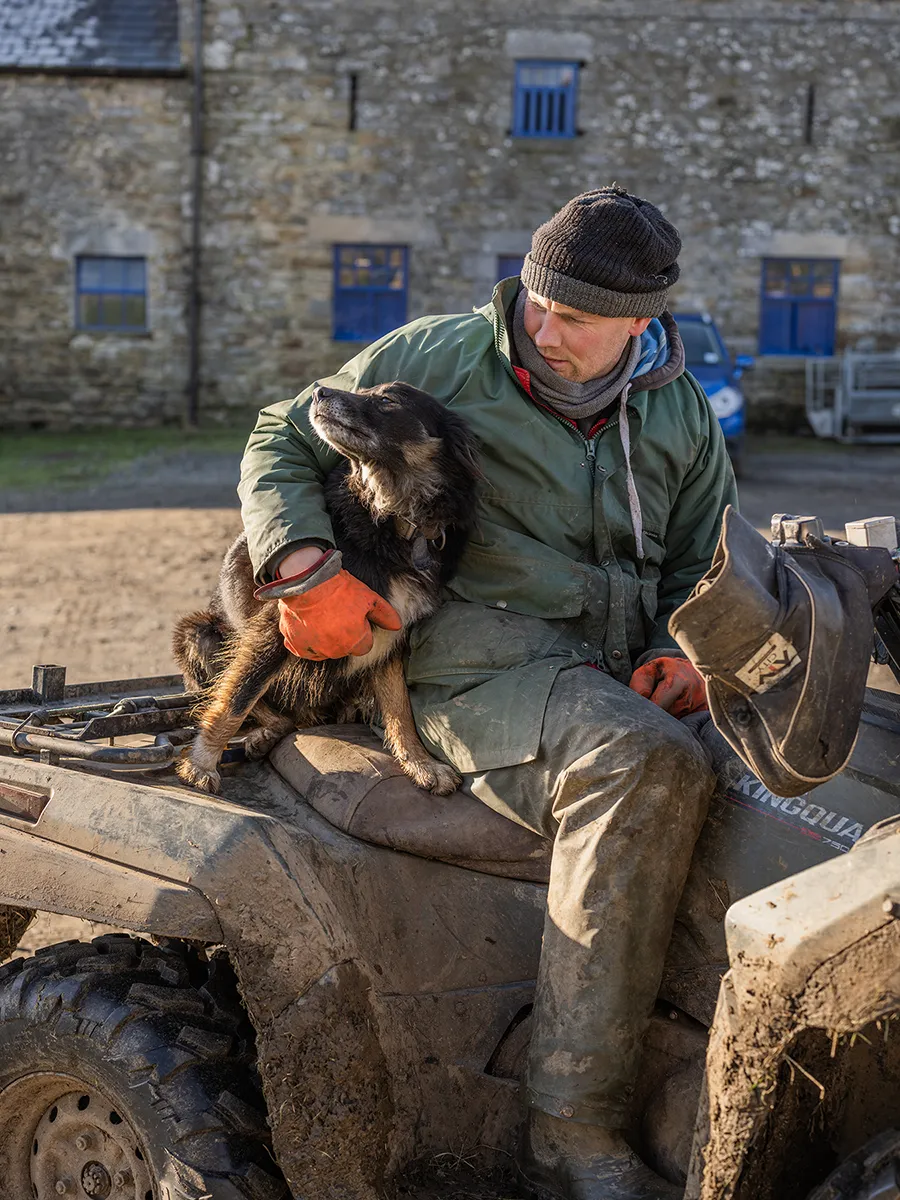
[[726, 402]]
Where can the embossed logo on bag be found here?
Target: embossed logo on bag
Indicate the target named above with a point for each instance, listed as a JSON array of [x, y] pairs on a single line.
[[772, 663]]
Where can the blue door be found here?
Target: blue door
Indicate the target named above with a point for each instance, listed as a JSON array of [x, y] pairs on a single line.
[[798, 307]]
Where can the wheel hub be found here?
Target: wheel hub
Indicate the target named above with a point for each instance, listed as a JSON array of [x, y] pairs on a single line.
[[95, 1180], [83, 1147]]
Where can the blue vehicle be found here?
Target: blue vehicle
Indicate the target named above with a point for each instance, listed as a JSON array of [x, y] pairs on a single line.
[[709, 362]]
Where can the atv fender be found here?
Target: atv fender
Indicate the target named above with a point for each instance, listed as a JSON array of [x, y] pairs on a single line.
[[813, 965], [43, 874]]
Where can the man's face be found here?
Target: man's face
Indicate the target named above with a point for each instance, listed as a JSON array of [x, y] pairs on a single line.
[[577, 345]]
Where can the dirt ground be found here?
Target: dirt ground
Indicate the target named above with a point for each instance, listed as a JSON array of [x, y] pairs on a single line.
[[94, 579], [98, 592]]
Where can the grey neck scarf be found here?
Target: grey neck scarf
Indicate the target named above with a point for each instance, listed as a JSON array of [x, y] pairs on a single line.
[[577, 401]]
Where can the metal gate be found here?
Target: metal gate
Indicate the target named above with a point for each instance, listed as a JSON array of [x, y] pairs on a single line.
[[854, 398]]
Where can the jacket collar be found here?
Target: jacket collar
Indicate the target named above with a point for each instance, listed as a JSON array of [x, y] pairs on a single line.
[[500, 307]]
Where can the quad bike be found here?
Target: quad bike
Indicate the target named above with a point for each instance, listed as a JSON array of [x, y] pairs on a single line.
[[330, 985]]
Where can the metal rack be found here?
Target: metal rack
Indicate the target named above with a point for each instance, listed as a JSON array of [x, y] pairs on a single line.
[[53, 719]]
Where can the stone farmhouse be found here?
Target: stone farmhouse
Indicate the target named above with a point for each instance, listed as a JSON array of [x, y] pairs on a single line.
[[206, 204]]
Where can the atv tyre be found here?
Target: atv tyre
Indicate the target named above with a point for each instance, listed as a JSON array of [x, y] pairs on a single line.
[[872, 1171], [126, 1071]]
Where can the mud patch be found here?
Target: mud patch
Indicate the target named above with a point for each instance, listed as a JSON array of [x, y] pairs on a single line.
[[328, 1090], [13, 923], [797, 1082], [452, 1177]]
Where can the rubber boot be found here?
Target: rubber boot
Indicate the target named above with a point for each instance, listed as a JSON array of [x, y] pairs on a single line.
[[565, 1160]]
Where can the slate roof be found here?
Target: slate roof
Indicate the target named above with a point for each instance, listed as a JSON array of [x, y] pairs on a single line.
[[85, 35]]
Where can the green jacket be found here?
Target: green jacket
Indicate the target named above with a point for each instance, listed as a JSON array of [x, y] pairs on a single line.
[[552, 577]]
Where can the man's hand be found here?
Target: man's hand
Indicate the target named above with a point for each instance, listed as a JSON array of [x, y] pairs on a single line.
[[672, 683], [328, 619]]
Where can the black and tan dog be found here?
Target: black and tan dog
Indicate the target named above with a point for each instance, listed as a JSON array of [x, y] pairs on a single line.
[[402, 505]]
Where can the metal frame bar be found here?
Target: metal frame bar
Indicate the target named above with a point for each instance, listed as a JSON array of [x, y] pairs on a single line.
[[69, 721]]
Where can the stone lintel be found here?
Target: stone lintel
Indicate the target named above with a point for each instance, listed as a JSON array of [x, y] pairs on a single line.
[[549, 43], [102, 239], [779, 243], [401, 231]]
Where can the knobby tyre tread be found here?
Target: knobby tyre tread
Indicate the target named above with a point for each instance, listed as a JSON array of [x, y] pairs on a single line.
[[167, 1028]]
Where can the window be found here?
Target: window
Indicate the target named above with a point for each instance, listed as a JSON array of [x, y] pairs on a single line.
[[509, 264], [370, 291], [111, 293], [799, 306], [544, 101], [701, 346]]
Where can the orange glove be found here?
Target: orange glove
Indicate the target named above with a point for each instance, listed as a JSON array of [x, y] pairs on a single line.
[[326, 612], [672, 683]]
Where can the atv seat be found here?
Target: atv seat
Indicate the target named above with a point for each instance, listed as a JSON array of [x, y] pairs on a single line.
[[349, 778]]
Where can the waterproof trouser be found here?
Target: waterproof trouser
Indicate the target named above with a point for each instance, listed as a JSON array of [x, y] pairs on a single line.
[[622, 788]]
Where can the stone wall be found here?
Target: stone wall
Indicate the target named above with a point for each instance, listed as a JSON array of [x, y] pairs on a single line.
[[91, 166], [702, 107]]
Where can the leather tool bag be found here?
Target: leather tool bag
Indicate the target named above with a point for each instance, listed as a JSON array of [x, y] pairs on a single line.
[[783, 638]]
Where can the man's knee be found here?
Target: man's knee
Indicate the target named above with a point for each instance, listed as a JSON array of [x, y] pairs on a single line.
[[676, 760], [663, 749], [651, 767]]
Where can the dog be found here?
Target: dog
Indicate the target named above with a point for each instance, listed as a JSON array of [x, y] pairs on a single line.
[[402, 505]]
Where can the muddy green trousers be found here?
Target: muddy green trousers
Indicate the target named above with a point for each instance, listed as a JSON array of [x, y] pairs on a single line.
[[622, 788]]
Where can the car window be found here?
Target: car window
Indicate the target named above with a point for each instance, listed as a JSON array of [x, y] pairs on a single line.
[[700, 346]]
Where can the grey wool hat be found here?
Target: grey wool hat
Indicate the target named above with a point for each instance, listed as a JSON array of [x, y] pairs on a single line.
[[605, 252]]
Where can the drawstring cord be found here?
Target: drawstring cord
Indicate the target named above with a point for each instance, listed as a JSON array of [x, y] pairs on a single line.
[[634, 502]]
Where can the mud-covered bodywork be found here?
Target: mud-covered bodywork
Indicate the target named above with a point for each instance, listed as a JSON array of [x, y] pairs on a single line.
[[805, 1048], [379, 984], [391, 993]]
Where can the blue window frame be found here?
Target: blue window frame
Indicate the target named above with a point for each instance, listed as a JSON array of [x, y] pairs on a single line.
[[111, 293], [798, 308], [509, 264], [545, 98], [370, 291]]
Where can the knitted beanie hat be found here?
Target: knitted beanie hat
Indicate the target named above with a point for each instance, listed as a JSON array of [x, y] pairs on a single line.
[[605, 252]]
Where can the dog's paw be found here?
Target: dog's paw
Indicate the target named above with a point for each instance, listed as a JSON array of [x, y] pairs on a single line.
[[207, 779], [433, 776], [259, 742]]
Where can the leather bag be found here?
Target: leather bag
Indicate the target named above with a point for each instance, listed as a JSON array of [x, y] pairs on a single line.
[[783, 636]]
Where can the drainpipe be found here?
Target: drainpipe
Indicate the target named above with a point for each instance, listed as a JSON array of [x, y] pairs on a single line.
[[194, 299]]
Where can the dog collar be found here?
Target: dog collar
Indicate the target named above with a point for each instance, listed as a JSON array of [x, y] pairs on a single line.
[[411, 533]]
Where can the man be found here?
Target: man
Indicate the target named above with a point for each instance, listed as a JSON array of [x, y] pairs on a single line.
[[605, 479]]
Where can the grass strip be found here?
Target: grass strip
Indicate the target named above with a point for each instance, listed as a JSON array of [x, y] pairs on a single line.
[[75, 458]]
